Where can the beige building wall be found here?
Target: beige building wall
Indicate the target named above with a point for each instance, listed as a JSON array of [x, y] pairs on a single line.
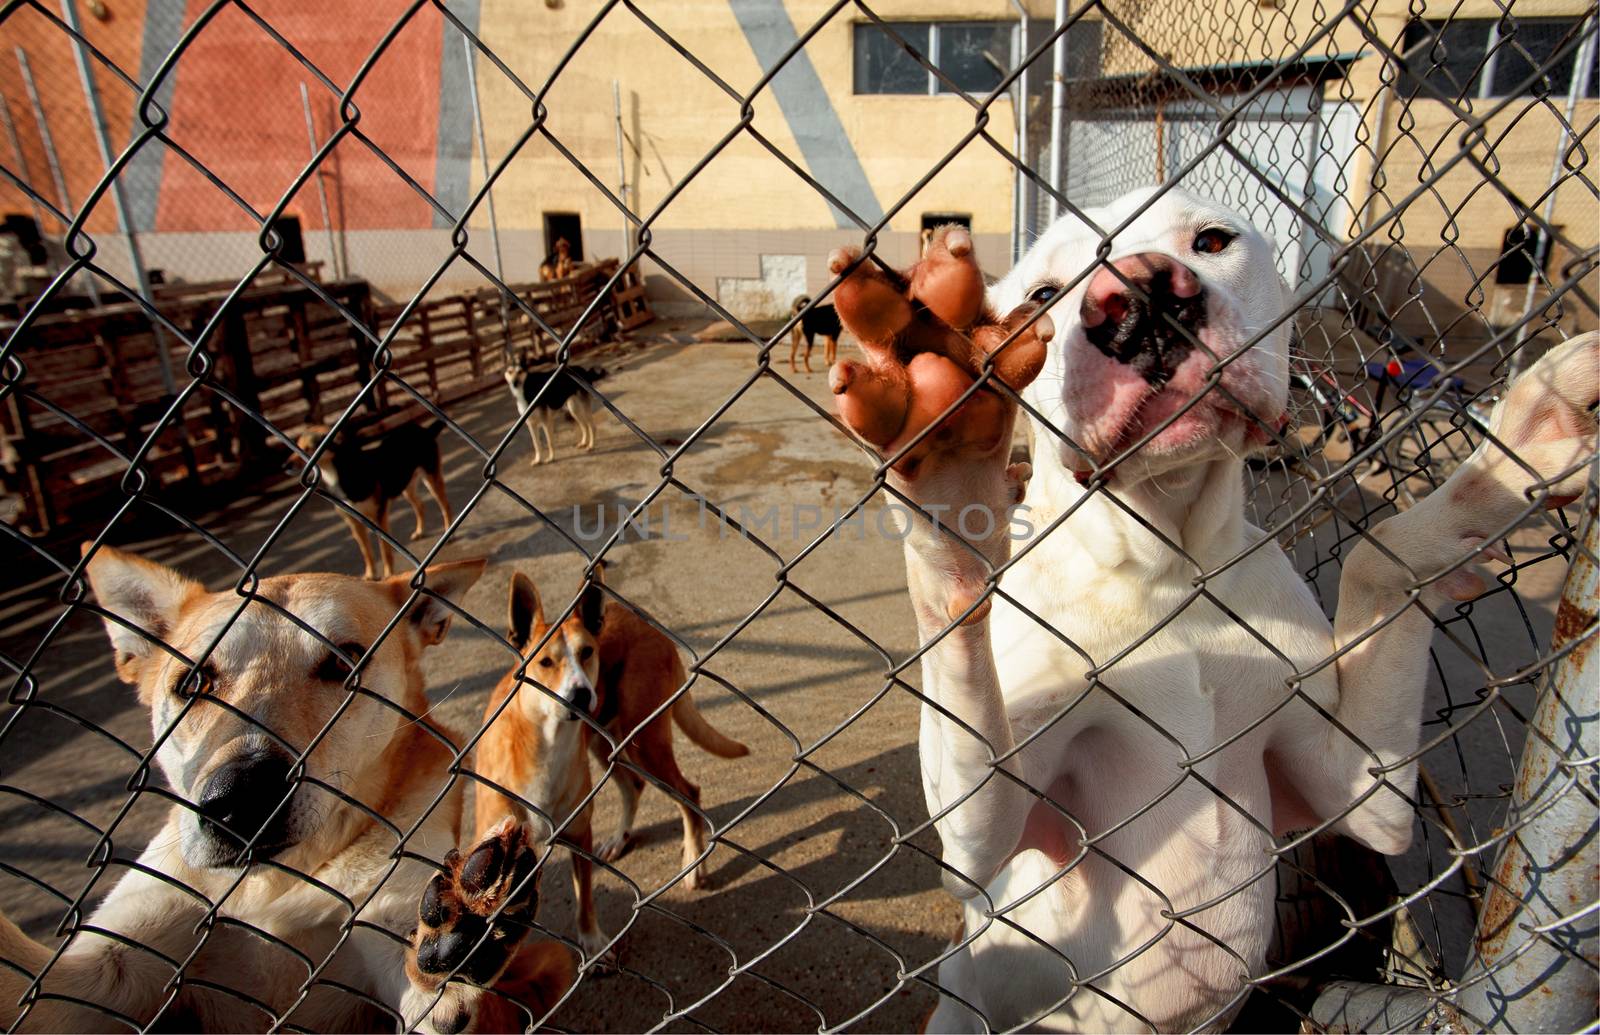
[[713, 224]]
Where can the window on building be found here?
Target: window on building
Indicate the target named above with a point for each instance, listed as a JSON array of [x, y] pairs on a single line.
[[292, 246], [974, 55], [564, 226], [1523, 249], [934, 220], [1466, 58]]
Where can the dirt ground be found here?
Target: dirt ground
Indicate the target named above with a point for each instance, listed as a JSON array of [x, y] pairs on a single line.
[[807, 825]]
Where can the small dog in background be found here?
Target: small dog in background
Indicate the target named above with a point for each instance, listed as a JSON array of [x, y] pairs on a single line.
[[820, 319], [370, 475], [556, 389], [557, 264]]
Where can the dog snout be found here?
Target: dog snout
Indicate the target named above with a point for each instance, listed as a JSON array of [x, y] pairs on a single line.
[[1144, 310], [239, 802], [580, 700]]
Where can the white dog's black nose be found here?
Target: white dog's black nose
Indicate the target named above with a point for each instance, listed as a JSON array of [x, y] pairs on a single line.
[[1144, 311], [241, 797]]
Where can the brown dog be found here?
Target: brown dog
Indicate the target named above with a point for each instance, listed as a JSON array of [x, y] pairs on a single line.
[[606, 662], [265, 747]]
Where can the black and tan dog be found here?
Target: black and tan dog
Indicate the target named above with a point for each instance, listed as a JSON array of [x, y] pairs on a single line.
[[273, 764], [544, 391], [371, 475], [818, 320], [609, 664]]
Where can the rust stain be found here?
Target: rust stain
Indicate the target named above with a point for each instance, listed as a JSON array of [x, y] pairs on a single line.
[[1573, 622], [1499, 908]]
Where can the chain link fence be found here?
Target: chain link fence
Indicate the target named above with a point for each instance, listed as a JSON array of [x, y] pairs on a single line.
[[1424, 170]]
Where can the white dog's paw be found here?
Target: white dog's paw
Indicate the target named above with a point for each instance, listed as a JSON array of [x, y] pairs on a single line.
[[1546, 424], [1541, 452]]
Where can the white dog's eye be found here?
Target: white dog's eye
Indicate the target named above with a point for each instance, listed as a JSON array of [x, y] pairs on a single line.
[[1044, 293], [1212, 240]]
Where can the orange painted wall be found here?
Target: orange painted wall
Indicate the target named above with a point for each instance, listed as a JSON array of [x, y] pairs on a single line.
[[236, 109]]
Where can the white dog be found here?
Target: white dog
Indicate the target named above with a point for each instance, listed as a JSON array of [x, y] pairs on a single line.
[[1154, 696]]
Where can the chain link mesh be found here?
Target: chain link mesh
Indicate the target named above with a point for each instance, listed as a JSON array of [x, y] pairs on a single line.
[[1357, 134]]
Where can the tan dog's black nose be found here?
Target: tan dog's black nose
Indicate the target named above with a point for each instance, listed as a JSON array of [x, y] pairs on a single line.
[[1144, 310], [240, 802]]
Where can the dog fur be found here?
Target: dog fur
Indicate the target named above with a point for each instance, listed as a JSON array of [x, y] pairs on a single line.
[[1202, 730], [600, 668], [370, 475], [557, 389], [818, 320], [234, 765]]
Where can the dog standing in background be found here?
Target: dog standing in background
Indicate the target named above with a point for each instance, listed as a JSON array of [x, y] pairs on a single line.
[[550, 390], [819, 319], [371, 474]]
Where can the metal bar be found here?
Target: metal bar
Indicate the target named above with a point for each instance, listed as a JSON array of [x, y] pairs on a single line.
[[1019, 179], [1534, 954], [622, 167], [119, 198], [50, 156], [1586, 54], [322, 188], [22, 158], [488, 193], [1058, 102]]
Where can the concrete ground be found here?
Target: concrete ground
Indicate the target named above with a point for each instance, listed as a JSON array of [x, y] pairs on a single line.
[[807, 822]]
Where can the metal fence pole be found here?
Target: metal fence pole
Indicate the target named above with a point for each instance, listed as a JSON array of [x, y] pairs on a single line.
[[119, 200], [22, 159], [1535, 958], [1058, 103], [51, 158], [483, 160], [322, 188]]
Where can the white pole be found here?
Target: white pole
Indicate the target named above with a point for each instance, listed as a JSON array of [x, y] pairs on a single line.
[[1058, 103], [322, 189]]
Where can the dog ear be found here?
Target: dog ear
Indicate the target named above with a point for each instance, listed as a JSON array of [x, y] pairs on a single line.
[[445, 582], [524, 611], [592, 604], [146, 595]]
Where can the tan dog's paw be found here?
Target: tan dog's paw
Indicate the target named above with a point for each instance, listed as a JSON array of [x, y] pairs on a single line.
[[476, 912], [616, 847], [927, 336]]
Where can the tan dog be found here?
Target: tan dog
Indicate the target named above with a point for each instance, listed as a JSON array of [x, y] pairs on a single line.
[[607, 663], [557, 264], [266, 750]]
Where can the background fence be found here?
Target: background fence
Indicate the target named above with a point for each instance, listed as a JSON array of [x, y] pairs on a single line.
[[1425, 170]]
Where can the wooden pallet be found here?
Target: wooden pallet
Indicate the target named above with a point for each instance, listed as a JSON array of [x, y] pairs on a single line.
[[627, 296]]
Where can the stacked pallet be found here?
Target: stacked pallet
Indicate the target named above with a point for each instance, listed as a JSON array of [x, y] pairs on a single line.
[[83, 393]]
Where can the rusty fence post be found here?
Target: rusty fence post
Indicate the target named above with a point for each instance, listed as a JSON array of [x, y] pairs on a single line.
[[1534, 954], [1534, 962]]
